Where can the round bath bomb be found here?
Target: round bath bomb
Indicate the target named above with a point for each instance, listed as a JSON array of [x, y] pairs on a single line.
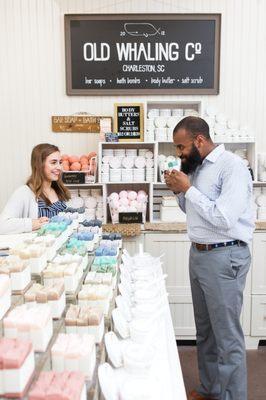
[[75, 166], [92, 154], [84, 167], [65, 165], [115, 204], [141, 196], [123, 194], [114, 196], [83, 158], [132, 195], [124, 202], [141, 207], [133, 203], [73, 159], [64, 157]]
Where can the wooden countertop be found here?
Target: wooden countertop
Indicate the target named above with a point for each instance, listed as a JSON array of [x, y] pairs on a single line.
[[182, 226]]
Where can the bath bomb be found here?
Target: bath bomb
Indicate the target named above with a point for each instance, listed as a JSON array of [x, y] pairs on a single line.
[[84, 167], [114, 196], [141, 197], [132, 195], [65, 157], [92, 154], [75, 166], [65, 165], [115, 204], [141, 207], [83, 158], [73, 159], [133, 203], [123, 194], [124, 202]]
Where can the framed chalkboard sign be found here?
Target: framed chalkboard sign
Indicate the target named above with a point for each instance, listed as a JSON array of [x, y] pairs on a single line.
[[129, 121], [73, 178], [130, 218], [122, 54]]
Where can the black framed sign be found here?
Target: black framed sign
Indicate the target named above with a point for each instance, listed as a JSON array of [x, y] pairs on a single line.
[[129, 121], [122, 54]]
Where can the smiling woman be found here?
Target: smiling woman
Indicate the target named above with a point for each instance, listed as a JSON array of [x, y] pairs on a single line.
[[42, 197]]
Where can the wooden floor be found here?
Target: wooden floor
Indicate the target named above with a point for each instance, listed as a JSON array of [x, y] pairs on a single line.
[[256, 362]]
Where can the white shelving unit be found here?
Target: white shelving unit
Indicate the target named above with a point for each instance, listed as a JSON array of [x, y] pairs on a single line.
[[157, 189]]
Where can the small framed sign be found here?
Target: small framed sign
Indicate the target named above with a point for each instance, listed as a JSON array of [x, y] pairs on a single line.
[[82, 123], [73, 178], [129, 121], [130, 218]]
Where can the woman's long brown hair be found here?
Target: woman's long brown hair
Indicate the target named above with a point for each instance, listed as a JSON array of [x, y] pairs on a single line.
[[35, 181]]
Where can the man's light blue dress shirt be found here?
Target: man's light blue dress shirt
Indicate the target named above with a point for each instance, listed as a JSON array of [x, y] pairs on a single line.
[[219, 204]]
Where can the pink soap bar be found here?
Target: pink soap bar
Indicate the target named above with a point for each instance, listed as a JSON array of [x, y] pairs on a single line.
[[38, 391], [58, 386], [4, 284], [5, 345], [15, 357], [75, 385]]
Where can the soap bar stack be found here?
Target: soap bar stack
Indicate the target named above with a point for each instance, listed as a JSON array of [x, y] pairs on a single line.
[[85, 319], [97, 278], [73, 352], [49, 241], [101, 278], [89, 200], [16, 367], [93, 223], [104, 250], [59, 385], [18, 270], [86, 238], [34, 253], [105, 264], [170, 211], [96, 296], [30, 322], [114, 238], [5, 294], [75, 246], [70, 273], [53, 295], [71, 258], [57, 225]]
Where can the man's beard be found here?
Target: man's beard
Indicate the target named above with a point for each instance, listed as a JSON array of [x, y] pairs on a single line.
[[191, 162]]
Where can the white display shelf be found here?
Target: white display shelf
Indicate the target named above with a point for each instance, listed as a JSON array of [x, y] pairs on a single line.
[[156, 188], [237, 141], [83, 184], [126, 183]]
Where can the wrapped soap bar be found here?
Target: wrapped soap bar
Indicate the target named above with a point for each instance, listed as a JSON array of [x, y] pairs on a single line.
[[59, 385], [41, 296], [72, 315], [16, 367], [73, 352]]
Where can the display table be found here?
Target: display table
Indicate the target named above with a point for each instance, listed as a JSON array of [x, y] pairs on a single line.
[[168, 367]]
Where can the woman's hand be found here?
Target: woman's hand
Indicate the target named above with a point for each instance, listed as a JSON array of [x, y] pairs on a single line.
[[37, 223]]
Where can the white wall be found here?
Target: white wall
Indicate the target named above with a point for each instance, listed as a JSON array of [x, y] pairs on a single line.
[[32, 73]]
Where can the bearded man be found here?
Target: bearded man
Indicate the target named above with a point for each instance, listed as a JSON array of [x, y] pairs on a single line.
[[214, 189]]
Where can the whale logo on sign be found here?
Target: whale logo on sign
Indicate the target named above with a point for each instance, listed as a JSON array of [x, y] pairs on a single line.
[[141, 29]]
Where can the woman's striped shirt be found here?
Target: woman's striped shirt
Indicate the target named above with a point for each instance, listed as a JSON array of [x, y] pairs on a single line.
[[51, 210]]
